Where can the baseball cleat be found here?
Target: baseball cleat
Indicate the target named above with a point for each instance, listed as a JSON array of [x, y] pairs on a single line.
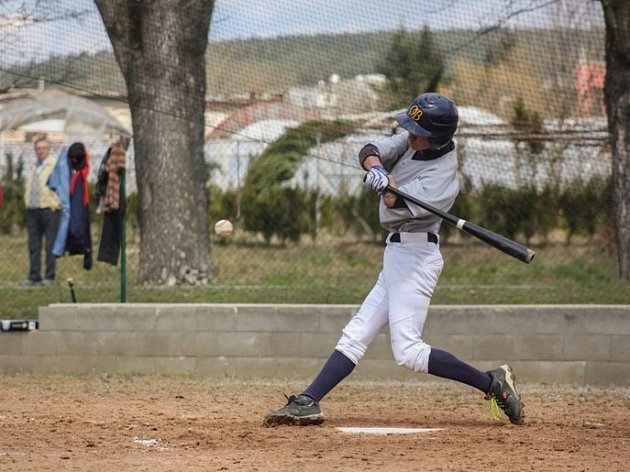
[[503, 392], [300, 410]]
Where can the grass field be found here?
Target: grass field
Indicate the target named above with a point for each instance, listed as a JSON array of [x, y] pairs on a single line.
[[330, 272]]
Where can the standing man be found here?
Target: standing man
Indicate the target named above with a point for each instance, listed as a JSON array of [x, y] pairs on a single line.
[[42, 215], [422, 162]]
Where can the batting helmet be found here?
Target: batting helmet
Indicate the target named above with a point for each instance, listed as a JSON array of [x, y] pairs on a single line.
[[431, 115]]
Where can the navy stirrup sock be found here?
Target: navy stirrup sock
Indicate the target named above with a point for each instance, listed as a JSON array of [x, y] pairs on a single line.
[[446, 365], [336, 368]]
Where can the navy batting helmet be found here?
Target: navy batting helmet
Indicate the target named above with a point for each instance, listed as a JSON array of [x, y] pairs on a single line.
[[430, 115]]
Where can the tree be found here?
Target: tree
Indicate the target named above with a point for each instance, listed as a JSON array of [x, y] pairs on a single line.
[[273, 207], [411, 68], [527, 121], [496, 86], [500, 48], [160, 48], [429, 61], [617, 97], [396, 66]]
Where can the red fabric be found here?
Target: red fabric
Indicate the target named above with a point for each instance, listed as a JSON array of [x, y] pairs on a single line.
[[83, 172]]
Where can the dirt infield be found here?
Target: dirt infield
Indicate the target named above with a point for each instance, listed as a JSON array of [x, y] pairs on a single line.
[[174, 424]]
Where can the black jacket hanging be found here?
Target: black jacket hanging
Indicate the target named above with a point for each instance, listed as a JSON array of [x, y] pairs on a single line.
[[79, 239]]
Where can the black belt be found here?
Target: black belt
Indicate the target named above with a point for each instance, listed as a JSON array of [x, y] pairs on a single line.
[[431, 237]]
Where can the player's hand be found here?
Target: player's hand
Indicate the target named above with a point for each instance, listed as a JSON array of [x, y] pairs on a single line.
[[390, 199], [377, 179]]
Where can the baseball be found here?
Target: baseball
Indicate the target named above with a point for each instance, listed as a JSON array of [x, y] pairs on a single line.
[[223, 228]]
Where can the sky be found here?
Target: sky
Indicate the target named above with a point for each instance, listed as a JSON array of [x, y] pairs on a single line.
[[245, 18], [25, 39]]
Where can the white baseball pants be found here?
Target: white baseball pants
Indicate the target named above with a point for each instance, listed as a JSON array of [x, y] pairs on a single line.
[[400, 298]]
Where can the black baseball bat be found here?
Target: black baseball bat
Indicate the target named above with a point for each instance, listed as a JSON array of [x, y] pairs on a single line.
[[72, 294], [502, 243]]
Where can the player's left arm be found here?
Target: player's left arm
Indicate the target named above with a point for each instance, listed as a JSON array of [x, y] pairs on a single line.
[[379, 157], [384, 152]]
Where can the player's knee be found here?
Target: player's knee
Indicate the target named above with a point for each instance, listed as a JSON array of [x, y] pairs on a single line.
[[414, 356], [351, 348]]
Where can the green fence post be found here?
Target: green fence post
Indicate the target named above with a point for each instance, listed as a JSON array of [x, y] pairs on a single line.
[[123, 241]]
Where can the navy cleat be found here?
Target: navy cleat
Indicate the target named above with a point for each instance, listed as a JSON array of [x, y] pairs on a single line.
[[300, 410], [503, 392]]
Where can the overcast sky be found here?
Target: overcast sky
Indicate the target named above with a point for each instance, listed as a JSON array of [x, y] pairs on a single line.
[[246, 18], [24, 40]]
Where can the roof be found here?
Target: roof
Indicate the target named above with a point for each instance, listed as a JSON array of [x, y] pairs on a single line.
[[49, 107]]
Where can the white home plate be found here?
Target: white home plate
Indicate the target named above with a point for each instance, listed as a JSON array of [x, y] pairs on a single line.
[[386, 431], [150, 443]]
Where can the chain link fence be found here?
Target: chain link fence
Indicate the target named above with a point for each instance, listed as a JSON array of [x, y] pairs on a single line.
[[535, 165]]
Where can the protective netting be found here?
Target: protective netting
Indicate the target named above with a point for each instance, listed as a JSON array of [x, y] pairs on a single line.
[[527, 76]]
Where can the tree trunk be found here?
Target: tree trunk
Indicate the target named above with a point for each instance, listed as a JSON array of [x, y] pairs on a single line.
[[617, 96], [160, 47]]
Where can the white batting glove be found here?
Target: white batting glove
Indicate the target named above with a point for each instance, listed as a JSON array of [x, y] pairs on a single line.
[[377, 179]]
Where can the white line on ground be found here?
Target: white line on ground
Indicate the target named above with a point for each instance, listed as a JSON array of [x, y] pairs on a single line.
[[386, 431]]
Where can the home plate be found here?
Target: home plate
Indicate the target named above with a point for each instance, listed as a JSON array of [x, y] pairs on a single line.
[[386, 431]]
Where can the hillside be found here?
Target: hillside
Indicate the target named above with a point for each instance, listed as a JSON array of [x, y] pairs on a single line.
[[279, 63]]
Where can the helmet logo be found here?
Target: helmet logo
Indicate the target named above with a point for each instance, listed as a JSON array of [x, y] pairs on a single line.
[[415, 113]]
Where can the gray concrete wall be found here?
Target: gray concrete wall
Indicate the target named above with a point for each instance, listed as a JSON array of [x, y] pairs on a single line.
[[581, 344]]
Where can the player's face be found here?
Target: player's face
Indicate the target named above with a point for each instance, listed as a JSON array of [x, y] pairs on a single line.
[[418, 143]]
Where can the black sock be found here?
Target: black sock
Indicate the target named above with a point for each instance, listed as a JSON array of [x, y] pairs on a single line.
[[446, 365], [336, 368]]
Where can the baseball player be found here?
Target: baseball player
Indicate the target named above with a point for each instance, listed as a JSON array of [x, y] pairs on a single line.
[[422, 162]]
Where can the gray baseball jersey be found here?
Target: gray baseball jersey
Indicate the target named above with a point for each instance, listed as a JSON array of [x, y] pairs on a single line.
[[430, 176]]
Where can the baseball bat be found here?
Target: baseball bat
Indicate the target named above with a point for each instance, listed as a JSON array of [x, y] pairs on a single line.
[[72, 294], [502, 243]]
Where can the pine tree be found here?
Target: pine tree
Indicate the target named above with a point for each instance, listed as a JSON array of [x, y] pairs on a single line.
[[430, 63], [411, 68]]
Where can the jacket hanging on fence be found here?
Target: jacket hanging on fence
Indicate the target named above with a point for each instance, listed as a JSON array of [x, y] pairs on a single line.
[[69, 181], [59, 182], [112, 203]]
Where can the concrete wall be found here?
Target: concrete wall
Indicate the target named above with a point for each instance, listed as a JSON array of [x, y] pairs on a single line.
[[552, 344]]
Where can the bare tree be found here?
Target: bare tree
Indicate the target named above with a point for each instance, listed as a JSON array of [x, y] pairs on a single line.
[[160, 49], [617, 98], [617, 95]]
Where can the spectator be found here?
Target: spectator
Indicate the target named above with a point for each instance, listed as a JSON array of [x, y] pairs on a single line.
[[42, 216]]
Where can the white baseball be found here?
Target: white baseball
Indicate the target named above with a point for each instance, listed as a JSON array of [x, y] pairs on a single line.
[[223, 228]]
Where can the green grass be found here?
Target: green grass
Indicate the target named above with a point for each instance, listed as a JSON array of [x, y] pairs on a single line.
[[330, 272]]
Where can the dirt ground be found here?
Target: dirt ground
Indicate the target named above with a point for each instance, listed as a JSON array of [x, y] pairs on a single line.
[[157, 424]]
